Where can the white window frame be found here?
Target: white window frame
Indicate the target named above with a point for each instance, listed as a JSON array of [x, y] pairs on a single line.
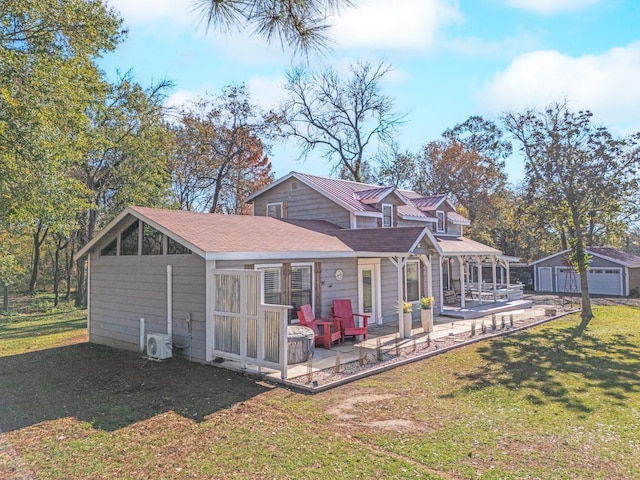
[[276, 204], [442, 219], [390, 207], [406, 278], [313, 276], [264, 266]]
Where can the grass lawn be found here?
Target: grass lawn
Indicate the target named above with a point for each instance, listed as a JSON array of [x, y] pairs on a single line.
[[557, 401]]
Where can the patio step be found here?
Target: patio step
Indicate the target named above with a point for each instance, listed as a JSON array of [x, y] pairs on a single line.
[[479, 311]]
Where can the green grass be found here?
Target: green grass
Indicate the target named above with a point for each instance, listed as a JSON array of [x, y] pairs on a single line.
[[560, 401], [35, 324]]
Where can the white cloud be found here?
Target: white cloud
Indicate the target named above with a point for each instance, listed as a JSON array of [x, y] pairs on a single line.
[[400, 24], [550, 7], [153, 11], [605, 84]]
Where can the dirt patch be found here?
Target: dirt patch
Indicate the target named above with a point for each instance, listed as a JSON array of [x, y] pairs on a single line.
[[112, 388]]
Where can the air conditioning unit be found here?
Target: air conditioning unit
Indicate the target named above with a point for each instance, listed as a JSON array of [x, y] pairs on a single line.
[[159, 346]]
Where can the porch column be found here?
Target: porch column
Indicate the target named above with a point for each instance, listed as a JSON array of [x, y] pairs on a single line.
[[426, 260], [399, 262], [463, 300], [479, 262], [493, 271], [441, 285], [210, 265]]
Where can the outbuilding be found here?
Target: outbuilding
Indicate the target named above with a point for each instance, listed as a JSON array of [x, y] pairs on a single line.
[[611, 272]]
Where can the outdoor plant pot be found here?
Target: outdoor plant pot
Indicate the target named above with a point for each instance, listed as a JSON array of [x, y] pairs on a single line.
[[426, 318], [406, 318]]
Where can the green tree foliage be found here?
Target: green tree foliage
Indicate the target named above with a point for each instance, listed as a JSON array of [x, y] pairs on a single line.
[[578, 170], [301, 24], [47, 80], [345, 118], [219, 150], [126, 159]]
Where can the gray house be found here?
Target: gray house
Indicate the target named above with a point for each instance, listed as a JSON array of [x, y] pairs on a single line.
[[611, 272], [311, 240]]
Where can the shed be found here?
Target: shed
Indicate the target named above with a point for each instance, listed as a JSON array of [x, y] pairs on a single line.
[[611, 272]]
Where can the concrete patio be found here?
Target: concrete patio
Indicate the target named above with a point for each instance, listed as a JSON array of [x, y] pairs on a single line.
[[387, 335]]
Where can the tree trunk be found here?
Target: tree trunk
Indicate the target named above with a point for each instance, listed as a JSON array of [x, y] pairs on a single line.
[[81, 288], [37, 243], [68, 268], [56, 273], [583, 270], [5, 298]]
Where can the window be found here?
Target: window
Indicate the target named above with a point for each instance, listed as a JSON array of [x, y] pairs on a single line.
[[175, 248], [301, 285], [110, 249], [387, 215], [274, 210], [412, 282], [151, 240], [272, 285], [129, 240], [441, 221]]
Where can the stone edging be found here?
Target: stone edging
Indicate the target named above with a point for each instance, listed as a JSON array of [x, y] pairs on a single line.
[[391, 365]]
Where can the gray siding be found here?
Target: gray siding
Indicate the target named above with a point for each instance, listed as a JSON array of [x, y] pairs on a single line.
[[302, 203], [124, 289]]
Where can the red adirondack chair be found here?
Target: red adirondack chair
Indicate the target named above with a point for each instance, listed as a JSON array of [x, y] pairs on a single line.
[[342, 310], [326, 331]]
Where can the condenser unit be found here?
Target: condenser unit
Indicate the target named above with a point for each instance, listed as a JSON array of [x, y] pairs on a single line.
[[159, 346]]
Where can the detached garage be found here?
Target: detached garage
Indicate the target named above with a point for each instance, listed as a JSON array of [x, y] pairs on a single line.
[[611, 272]]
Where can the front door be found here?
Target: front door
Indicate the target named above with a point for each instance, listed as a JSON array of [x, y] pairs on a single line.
[[369, 297]]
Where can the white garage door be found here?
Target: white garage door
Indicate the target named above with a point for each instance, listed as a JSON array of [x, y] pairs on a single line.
[[602, 281], [605, 281]]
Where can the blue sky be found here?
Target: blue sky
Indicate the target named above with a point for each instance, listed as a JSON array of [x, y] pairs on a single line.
[[451, 59]]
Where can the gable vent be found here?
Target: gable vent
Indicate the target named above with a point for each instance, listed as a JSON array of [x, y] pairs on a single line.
[[294, 185]]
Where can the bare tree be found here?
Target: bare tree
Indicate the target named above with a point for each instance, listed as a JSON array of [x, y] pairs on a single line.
[[345, 118], [301, 24]]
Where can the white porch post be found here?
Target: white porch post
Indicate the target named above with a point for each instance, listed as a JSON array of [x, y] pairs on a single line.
[[493, 271], [426, 260], [442, 259], [210, 265], [479, 262], [507, 265], [399, 262], [463, 300]]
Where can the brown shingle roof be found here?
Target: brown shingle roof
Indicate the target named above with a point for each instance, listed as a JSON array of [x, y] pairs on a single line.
[[215, 233], [625, 258], [465, 246]]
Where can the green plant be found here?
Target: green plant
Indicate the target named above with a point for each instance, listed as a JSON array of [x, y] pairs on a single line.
[[483, 327], [494, 322], [426, 303], [407, 307], [473, 328]]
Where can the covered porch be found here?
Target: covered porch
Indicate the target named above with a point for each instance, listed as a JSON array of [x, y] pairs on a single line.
[[475, 277]]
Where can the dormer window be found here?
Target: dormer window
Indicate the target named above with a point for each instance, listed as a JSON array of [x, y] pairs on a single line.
[[274, 210], [441, 221], [387, 215]]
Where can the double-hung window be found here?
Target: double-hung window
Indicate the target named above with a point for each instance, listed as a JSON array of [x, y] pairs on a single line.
[[387, 215], [412, 280], [274, 210], [441, 221], [272, 284]]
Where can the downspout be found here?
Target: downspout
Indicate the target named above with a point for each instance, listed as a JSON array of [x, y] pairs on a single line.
[[169, 301]]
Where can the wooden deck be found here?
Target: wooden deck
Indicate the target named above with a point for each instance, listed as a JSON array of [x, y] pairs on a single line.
[[482, 310]]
